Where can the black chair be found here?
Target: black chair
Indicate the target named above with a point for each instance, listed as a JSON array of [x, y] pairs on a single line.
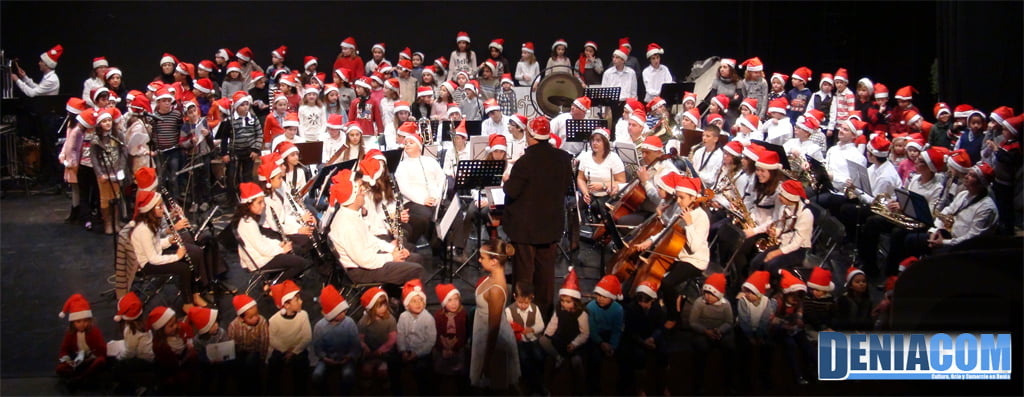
[[829, 236]]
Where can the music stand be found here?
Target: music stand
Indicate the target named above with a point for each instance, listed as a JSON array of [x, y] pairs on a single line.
[[477, 147], [690, 138], [580, 130], [603, 96], [323, 181], [672, 93], [915, 206], [473, 174], [311, 152], [778, 149], [628, 154], [392, 157]]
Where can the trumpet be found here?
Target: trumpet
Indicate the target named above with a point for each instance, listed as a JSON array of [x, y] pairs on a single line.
[[423, 124], [880, 206]]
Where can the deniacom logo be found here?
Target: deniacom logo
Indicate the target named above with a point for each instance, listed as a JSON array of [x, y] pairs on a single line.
[[914, 356]]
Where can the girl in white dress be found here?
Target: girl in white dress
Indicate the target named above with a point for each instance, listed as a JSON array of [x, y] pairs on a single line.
[[494, 362]]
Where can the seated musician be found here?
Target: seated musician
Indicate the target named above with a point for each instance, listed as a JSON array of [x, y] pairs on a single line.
[[801, 143], [517, 137], [928, 182], [760, 199], [971, 214], [883, 179], [462, 227], [637, 127], [154, 252], [366, 258], [662, 128], [836, 165], [708, 158], [730, 185], [692, 260], [280, 215], [600, 172], [622, 133], [381, 208], [460, 151], [791, 228], [296, 174], [578, 111], [654, 165], [420, 179], [958, 163], [257, 250], [291, 131]]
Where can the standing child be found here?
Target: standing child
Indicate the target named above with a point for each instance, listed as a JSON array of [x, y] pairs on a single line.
[[462, 59], [417, 334], [642, 342], [854, 306], [558, 58], [289, 86], [83, 351], [345, 91], [335, 344], [506, 96], [846, 101], [365, 111], [799, 96], [823, 101], [939, 134], [655, 75], [312, 117], [277, 63], [471, 107], [754, 311], [332, 101], [176, 359], [377, 335], [260, 94], [527, 69], [754, 85], [273, 123], [290, 335], [787, 323], [233, 82], [778, 87], [108, 159], [451, 321], [567, 339], [528, 324], [495, 51], [712, 321], [606, 322], [251, 334], [590, 66]]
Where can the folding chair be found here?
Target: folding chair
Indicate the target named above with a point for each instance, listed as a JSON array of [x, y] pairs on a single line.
[[126, 271], [830, 235]]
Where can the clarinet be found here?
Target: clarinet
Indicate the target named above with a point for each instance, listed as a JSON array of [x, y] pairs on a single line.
[[395, 223], [298, 214], [174, 209], [176, 239]]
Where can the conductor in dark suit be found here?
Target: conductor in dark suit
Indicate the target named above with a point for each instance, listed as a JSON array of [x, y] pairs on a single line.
[[535, 210]]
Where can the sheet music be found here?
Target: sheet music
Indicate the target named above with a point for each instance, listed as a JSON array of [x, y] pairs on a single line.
[[859, 175], [219, 352], [496, 195], [449, 217]]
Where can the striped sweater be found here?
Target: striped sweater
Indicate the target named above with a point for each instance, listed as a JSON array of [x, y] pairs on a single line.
[[166, 129]]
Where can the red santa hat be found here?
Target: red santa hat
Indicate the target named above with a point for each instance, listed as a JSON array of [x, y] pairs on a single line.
[[609, 287], [750, 121], [590, 44], [906, 93], [715, 117], [540, 128], [826, 78], [76, 105], [370, 297], [916, 142], [76, 308], [571, 286], [911, 116], [412, 289], [768, 160], [336, 121], [810, 124], [401, 106], [96, 92], [244, 54], [655, 103], [145, 178], [462, 36], [734, 148], [442, 63], [204, 85], [654, 49], [959, 160], [881, 91], [349, 42], [404, 64], [753, 65], [779, 76], [821, 279], [406, 53], [817, 114], [115, 72], [749, 103], [407, 129], [445, 292], [1001, 114], [283, 292], [601, 131], [491, 105], [206, 65], [851, 272], [582, 102], [331, 302], [519, 120], [343, 191], [507, 78], [841, 74], [669, 181], [185, 68], [648, 287], [753, 151], [621, 52], [556, 141], [202, 319], [168, 58], [527, 47], [429, 69], [632, 104], [145, 201], [778, 105], [371, 170], [139, 104], [715, 284], [758, 282], [802, 73], [269, 168], [961, 111], [639, 116], [460, 130], [879, 146], [940, 108], [249, 192], [721, 100], [790, 283], [291, 119], [129, 307], [728, 61], [907, 262], [285, 149], [691, 186], [497, 43], [792, 190], [159, 317], [496, 142], [983, 171], [935, 158], [453, 108], [222, 53], [242, 303], [309, 61], [689, 97], [1014, 124], [234, 66], [472, 85], [374, 154], [559, 42]]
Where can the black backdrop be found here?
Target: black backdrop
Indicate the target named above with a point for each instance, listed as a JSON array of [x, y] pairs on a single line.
[[978, 45]]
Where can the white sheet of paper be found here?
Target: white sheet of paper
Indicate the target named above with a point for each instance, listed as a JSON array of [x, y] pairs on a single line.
[[859, 175], [496, 195], [219, 352], [115, 348], [449, 218]]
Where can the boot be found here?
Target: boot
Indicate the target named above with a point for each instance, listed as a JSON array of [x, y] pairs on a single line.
[[72, 215], [108, 220]]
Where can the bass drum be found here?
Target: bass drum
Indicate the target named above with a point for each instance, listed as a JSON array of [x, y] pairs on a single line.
[[554, 89]]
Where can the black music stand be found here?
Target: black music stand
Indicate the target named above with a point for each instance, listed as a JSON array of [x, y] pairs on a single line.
[[472, 174], [472, 129], [778, 149], [603, 96], [442, 128], [672, 93], [580, 130], [322, 186], [392, 157]]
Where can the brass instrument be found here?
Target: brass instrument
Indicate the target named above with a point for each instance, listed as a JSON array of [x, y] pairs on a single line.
[[880, 206], [741, 216], [851, 192], [772, 240], [797, 171], [423, 124]]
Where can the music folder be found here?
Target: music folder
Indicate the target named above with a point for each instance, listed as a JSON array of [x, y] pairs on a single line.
[[311, 152], [859, 175], [914, 205]]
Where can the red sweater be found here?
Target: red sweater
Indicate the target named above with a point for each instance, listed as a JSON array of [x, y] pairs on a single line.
[[93, 338], [271, 128], [354, 63], [369, 119]]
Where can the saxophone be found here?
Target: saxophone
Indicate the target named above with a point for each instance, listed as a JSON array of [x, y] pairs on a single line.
[[772, 240], [880, 206]]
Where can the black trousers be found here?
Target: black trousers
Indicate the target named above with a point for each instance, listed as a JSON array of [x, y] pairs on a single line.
[[421, 224], [293, 265], [396, 273], [535, 264], [180, 269], [677, 274]]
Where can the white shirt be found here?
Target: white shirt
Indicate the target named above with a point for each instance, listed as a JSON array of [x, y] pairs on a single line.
[[148, 247], [332, 146], [538, 321], [625, 79], [525, 73], [584, 327], [516, 148], [558, 128], [707, 165], [969, 220], [602, 172], [883, 179], [312, 122], [88, 86], [48, 85], [835, 163], [419, 178], [762, 211], [777, 131], [488, 127], [256, 249], [449, 159], [930, 190], [696, 240], [355, 246], [744, 138], [276, 207], [791, 235], [653, 79], [622, 131], [805, 148], [375, 219]]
